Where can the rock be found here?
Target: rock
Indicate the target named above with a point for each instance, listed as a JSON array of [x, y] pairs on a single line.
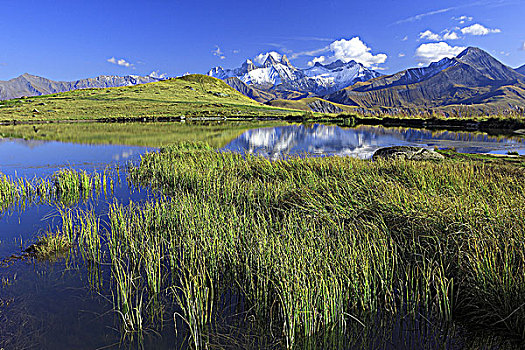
[[406, 152], [322, 106], [218, 94]]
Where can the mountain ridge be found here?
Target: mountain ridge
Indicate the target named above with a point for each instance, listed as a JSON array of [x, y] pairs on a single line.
[[275, 72], [33, 85], [471, 78]]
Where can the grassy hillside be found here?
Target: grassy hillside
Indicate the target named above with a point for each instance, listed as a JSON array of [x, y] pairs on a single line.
[[192, 95]]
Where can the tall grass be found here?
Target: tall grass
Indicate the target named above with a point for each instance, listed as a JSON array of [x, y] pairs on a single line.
[[318, 252], [64, 187]]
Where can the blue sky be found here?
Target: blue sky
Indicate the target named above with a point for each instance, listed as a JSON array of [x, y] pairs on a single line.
[[68, 40]]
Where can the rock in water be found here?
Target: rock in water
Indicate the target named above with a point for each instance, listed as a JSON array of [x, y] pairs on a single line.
[[406, 152]]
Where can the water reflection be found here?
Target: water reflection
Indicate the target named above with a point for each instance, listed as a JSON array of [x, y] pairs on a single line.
[[318, 140], [31, 158]]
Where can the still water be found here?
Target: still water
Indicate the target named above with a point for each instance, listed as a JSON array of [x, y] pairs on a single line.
[[45, 305], [363, 141]]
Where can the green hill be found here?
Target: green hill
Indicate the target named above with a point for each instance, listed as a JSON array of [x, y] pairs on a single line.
[[188, 96]]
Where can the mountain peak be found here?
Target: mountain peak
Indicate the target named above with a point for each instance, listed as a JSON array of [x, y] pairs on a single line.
[[472, 51], [271, 61], [26, 75], [263, 57], [335, 64], [273, 70], [487, 65], [286, 61]]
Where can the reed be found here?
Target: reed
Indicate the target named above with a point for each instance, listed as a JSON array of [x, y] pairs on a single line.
[[319, 252], [65, 187]]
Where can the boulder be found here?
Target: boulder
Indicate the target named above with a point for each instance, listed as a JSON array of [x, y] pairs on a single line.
[[407, 153]]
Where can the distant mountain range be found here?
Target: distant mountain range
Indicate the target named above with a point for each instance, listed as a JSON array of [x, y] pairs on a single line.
[[276, 75], [32, 85], [472, 78]]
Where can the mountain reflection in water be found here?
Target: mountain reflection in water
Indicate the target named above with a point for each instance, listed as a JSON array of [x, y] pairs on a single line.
[[363, 141]]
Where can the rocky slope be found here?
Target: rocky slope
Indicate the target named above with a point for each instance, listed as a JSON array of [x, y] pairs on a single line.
[[32, 85], [472, 78]]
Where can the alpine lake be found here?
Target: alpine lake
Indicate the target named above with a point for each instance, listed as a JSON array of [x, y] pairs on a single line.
[[259, 234]]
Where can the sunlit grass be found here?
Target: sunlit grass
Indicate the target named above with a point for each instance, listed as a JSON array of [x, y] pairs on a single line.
[[317, 249], [190, 96]]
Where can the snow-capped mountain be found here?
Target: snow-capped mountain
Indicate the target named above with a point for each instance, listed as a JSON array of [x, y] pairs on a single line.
[[338, 75], [274, 71]]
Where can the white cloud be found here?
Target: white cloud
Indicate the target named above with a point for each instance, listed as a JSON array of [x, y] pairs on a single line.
[[450, 36], [427, 34], [353, 49], [428, 53], [463, 19], [401, 55], [422, 15], [218, 53], [478, 29], [431, 36], [309, 53], [320, 59], [236, 51], [120, 62], [405, 38], [156, 74], [523, 46]]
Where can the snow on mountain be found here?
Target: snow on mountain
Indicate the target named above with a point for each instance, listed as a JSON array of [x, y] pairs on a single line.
[[261, 58], [262, 76], [274, 71], [339, 75]]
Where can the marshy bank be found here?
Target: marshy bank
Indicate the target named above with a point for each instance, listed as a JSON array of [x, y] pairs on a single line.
[[238, 251], [313, 252]]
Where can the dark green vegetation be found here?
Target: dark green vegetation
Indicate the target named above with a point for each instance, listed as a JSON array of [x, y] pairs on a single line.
[[215, 133], [188, 96], [316, 252]]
